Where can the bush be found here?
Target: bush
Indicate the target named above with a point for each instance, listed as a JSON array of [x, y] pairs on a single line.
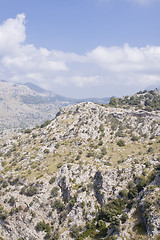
[[148, 203], [104, 151], [123, 193], [134, 138], [124, 217], [45, 123], [114, 208], [121, 143], [115, 222], [52, 180], [90, 154], [42, 226], [100, 143], [54, 191], [101, 224], [28, 131], [113, 101], [5, 184], [148, 164], [59, 165], [101, 127], [12, 201], [58, 205], [32, 190], [29, 191], [142, 183], [75, 230], [46, 151], [133, 192], [56, 235], [3, 213]]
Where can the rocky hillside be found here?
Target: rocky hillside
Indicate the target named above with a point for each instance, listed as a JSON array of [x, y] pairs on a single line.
[[91, 173], [27, 105]]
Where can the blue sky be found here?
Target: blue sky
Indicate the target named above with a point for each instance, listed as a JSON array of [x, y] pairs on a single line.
[[81, 48]]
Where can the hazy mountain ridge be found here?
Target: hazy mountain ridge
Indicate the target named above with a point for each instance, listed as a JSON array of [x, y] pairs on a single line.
[[27, 105], [90, 173]]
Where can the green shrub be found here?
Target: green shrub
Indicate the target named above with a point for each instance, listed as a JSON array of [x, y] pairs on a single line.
[[52, 180], [103, 151], [100, 143], [29, 191], [101, 127], [12, 201], [56, 235], [78, 157], [140, 228], [133, 192], [113, 208], [148, 164], [54, 191], [45, 123], [58, 205], [42, 226], [142, 183], [123, 193], [28, 131], [3, 213], [148, 203], [115, 223], [134, 138], [46, 151], [5, 184], [124, 217], [113, 101], [75, 231], [90, 154], [101, 224], [59, 165], [121, 143], [32, 190]]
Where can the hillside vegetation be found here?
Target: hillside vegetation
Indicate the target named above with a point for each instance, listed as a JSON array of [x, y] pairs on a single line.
[[146, 100], [93, 172]]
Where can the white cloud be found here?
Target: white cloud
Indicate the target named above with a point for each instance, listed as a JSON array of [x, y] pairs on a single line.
[[12, 33], [100, 67]]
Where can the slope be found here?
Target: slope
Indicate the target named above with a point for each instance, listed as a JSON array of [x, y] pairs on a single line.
[[90, 173]]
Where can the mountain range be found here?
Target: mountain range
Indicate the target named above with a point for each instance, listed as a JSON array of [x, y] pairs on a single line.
[[27, 105]]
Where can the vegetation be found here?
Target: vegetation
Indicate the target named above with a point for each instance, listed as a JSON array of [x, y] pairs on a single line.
[[121, 143], [147, 100], [58, 205]]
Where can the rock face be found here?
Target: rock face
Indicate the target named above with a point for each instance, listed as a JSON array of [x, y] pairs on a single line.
[[90, 173]]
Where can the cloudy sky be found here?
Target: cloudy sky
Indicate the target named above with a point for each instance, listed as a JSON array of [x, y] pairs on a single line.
[[81, 48]]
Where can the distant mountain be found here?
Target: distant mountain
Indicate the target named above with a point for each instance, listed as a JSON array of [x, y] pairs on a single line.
[[35, 88], [27, 105], [57, 97]]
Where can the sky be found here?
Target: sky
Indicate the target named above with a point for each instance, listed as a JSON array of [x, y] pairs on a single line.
[[81, 48]]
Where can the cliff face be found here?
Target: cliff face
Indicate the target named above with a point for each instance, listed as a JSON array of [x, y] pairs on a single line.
[[91, 173]]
